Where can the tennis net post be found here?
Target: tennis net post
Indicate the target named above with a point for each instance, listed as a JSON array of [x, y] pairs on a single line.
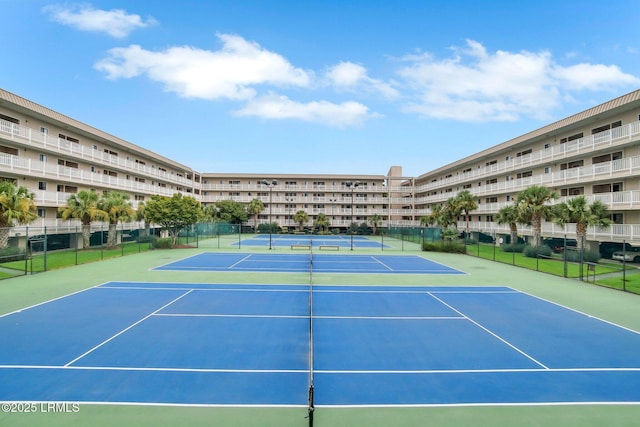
[[311, 404]]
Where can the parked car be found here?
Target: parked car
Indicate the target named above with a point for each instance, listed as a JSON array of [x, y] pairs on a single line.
[[628, 255], [557, 244], [608, 248]]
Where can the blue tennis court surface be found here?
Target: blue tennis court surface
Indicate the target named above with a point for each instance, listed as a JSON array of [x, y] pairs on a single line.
[[322, 263], [227, 344], [288, 240]]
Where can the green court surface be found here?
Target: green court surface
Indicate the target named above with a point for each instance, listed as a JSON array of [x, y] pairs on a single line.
[[613, 306]]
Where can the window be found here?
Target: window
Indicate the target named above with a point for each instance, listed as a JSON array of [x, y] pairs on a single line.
[[572, 137], [9, 119], [43, 157], [547, 169], [9, 150], [68, 138], [570, 165], [67, 163], [42, 185], [113, 153], [42, 213], [44, 130], [526, 174], [524, 153]]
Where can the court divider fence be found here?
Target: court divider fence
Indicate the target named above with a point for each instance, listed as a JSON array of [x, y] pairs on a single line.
[[566, 256], [31, 250]]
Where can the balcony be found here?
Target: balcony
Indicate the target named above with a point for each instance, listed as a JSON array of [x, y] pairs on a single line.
[[43, 142], [613, 137], [50, 171]]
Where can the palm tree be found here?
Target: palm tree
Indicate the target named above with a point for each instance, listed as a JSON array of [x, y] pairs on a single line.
[[141, 215], [254, 209], [466, 202], [509, 215], [16, 206], [578, 211], [375, 220], [84, 206], [322, 223], [301, 218], [533, 206], [118, 208]]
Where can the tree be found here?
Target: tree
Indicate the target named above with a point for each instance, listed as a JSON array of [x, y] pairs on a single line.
[[466, 202], [118, 208], [533, 207], [509, 215], [84, 207], [16, 206], [141, 215], [254, 209], [322, 223], [375, 220], [231, 211], [578, 211], [209, 213], [301, 218], [173, 213]]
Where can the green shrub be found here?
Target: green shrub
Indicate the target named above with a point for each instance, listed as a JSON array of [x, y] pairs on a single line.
[[537, 251], [517, 248], [444, 246], [12, 254], [163, 243], [589, 256]]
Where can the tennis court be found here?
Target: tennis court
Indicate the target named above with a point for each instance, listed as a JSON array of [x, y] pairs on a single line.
[[175, 345], [195, 344], [322, 263], [336, 241]]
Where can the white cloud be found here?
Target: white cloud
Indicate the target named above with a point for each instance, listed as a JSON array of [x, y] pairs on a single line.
[[231, 73], [350, 76], [476, 85], [117, 22], [280, 107], [593, 76]]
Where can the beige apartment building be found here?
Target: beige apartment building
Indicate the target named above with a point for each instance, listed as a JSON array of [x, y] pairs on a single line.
[[595, 153]]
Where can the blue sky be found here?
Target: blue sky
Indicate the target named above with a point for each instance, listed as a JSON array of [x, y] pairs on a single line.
[[319, 86]]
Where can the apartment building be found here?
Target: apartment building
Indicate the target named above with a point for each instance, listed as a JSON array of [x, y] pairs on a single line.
[[344, 199], [54, 156], [595, 153]]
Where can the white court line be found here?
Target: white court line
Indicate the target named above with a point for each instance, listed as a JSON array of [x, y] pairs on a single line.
[[127, 328], [490, 332], [476, 371], [151, 369], [381, 263], [250, 316], [52, 300], [580, 312], [392, 317], [206, 289], [236, 263], [324, 371], [177, 260]]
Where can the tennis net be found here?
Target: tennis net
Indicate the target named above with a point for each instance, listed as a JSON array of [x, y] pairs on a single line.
[[311, 406]]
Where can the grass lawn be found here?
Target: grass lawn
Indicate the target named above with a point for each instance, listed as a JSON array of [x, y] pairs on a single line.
[[631, 283], [554, 265], [67, 258]]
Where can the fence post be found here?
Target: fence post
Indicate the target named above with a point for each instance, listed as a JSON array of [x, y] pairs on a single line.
[[27, 248], [624, 265], [44, 259]]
